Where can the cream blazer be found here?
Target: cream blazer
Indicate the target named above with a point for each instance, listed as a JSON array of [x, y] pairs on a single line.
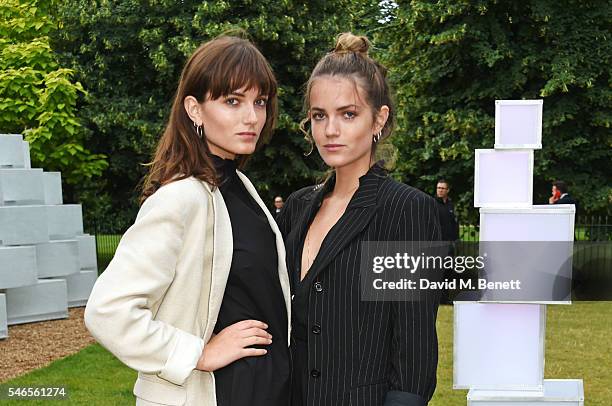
[[157, 303]]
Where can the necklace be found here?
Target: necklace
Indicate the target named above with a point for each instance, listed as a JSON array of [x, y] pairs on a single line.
[[309, 259]]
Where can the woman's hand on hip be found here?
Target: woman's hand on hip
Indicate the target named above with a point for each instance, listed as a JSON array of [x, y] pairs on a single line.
[[231, 344]]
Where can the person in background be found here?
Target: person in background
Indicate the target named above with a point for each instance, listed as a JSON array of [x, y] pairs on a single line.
[[448, 220], [278, 206], [560, 194]]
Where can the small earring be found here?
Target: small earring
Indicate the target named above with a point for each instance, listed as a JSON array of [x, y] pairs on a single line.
[[377, 137], [198, 130]]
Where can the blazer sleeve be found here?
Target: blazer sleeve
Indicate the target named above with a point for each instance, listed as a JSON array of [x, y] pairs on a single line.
[[414, 339], [119, 311]]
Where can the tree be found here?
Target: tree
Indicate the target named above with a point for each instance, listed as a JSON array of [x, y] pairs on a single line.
[[451, 60], [129, 56], [38, 97]]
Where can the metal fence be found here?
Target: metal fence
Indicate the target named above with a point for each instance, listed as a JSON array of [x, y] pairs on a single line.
[[592, 253]]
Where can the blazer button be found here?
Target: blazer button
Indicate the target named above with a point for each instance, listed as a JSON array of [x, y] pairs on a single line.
[[315, 373], [318, 286], [316, 329]]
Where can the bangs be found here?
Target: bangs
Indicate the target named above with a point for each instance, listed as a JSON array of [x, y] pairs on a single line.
[[240, 67]]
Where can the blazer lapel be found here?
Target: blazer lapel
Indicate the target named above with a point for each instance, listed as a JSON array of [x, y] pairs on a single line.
[[357, 216], [280, 245]]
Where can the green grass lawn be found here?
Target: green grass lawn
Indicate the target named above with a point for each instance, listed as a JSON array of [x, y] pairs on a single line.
[[578, 345]]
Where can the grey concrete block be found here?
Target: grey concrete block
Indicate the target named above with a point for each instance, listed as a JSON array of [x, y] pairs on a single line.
[[23, 225], [3, 318], [17, 266], [46, 300], [57, 258], [11, 151], [21, 187], [87, 251], [64, 221], [26, 154], [80, 286], [53, 187]]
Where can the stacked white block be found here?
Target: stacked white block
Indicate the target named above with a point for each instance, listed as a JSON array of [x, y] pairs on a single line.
[[46, 300], [53, 187], [40, 238], [12, 154], [23, 225], [3, 321], [21, 187], [64, 221], [518, 124], [498, 346], [503, 178], [556, 392], [58, 258], [17, 266]]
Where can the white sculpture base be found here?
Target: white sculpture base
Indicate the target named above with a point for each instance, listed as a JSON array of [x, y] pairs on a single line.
[[47, 300], [557, 392], [80, 286], [3, 324]]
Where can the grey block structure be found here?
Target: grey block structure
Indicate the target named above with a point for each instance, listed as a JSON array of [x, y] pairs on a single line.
[[23, 225], [46, 300], [64, 221], [46, 262], [53, 187], [21, 187], [12, 151], [58, 258], [80, 286], [18, 266], [87, 252], [3, 324]]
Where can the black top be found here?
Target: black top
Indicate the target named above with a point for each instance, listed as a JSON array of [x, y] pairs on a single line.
[[448, 220], [348, 351], [253, 291]]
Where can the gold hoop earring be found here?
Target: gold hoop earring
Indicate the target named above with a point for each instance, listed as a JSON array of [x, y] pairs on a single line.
[[377, 137]]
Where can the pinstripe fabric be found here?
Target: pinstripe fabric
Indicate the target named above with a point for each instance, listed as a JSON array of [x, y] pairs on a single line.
[[362, 350]]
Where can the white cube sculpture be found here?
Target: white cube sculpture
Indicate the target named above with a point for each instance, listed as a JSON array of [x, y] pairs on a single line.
[[557, 392], [11, 151], [46, 300], [17, 266], [23, 225], [518, 124], [65, 221], [57, 258], [503, 178], [80, 286], [53, 187], [3, 318], [87, 251], [21, 187], [498, 346]]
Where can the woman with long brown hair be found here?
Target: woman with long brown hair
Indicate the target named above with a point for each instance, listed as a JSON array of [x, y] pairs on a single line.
[[196, 298]]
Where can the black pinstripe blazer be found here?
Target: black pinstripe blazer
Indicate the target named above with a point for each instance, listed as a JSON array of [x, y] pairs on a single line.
[[362, 353]]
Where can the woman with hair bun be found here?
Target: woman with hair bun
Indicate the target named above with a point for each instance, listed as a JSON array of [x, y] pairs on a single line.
[[196, 298], [347, 351]]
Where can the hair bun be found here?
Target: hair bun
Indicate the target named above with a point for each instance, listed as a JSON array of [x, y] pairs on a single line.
[[348, 42]]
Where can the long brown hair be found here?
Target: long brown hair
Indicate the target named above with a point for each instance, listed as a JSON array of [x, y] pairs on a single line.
[[217, 68]]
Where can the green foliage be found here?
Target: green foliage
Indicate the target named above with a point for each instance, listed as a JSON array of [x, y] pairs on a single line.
[[129, 56], [452, 59], [38, 97]]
